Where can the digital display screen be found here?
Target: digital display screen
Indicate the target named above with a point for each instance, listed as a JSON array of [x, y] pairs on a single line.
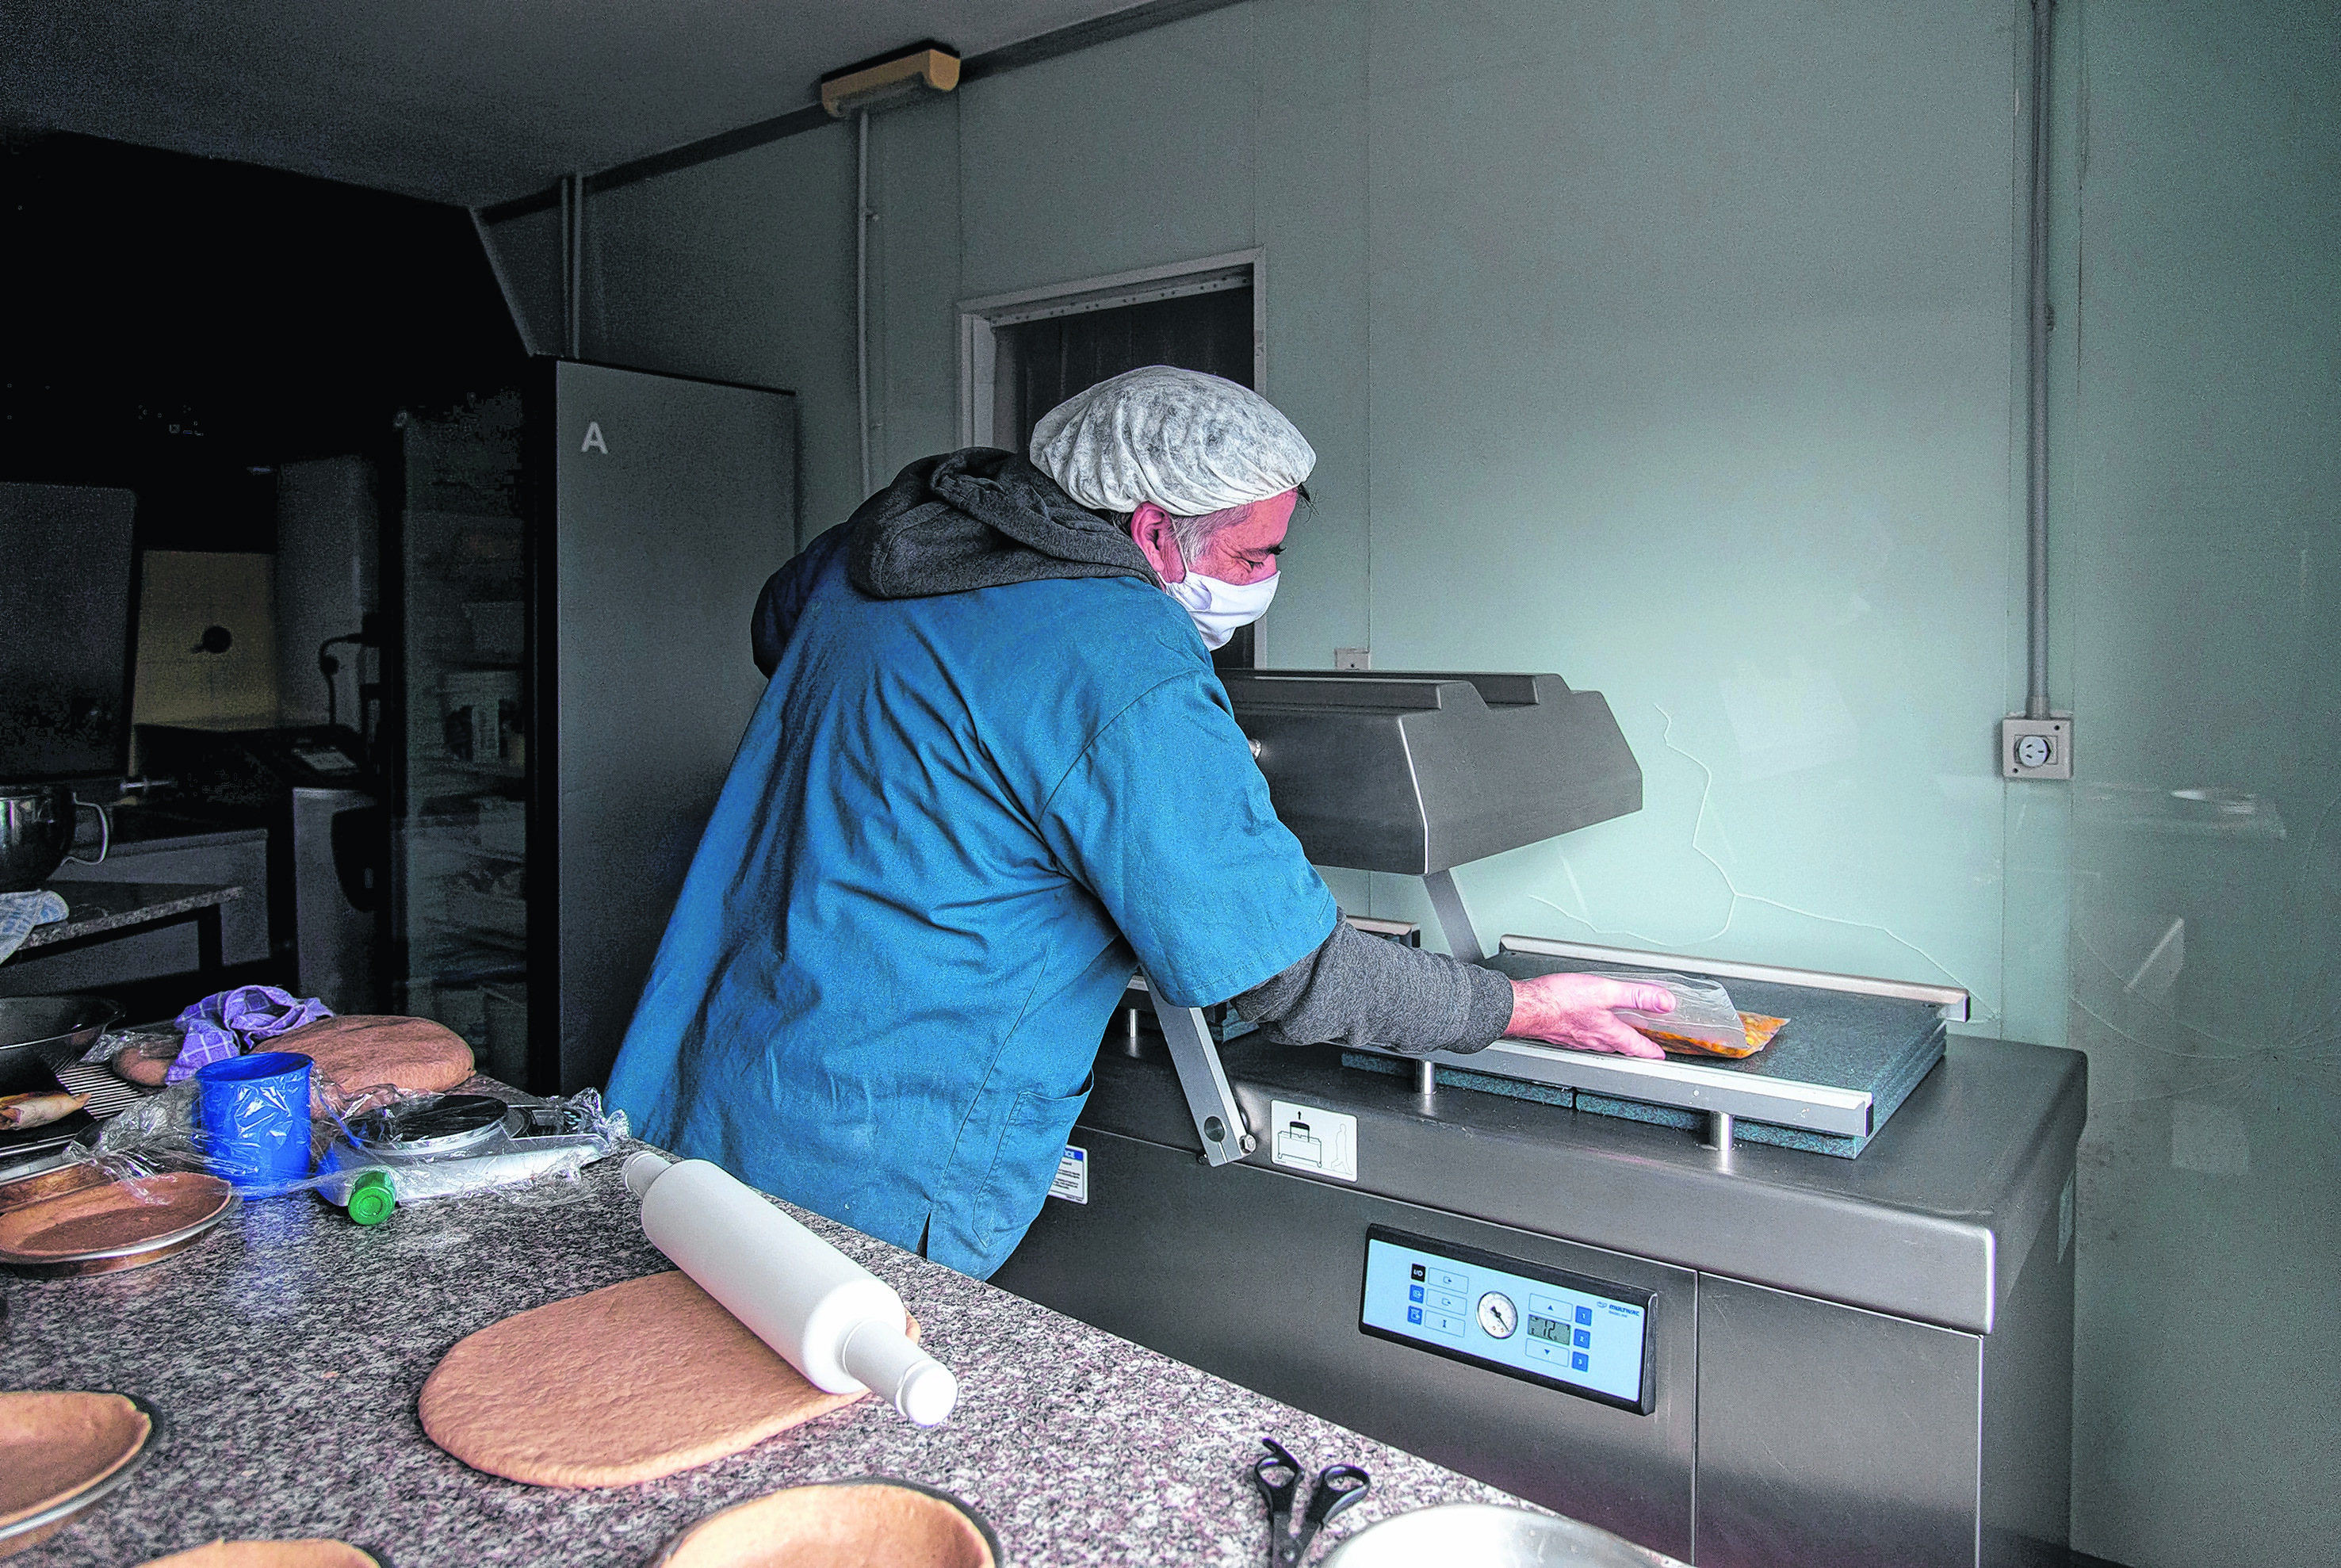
[[1545, 1325]]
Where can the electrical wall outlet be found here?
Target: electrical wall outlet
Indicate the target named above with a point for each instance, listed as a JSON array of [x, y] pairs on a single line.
[[1354, 658], [2035, 748]]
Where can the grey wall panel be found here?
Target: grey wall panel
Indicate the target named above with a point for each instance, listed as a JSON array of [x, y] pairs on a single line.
[[65, 631], [1831, 1436], [328, 564], [668, 525]]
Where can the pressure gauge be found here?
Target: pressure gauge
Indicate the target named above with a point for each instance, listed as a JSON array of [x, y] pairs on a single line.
[[2033, 751], [1498, 1315]]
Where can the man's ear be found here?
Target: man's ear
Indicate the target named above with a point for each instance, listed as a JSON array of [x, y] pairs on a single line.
[[1149, 529]]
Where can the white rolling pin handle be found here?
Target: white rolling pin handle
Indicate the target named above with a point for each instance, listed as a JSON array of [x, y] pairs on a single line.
[[824, 1313], [886, 1359]]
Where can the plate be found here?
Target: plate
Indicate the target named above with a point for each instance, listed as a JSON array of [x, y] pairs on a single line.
[[109, 1260], [798, 1506], [49, 1520]]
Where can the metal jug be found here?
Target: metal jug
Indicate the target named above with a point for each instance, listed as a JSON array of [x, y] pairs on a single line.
[[37, 824]]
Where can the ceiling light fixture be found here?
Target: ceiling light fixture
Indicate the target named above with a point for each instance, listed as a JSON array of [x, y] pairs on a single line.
[[892, 78]]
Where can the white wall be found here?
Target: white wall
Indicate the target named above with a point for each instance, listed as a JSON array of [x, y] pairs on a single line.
[[1675, 348]]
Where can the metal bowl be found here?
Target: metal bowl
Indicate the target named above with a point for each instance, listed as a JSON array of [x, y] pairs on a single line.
[[37, 825], [41, 1034], [1487, 1536]]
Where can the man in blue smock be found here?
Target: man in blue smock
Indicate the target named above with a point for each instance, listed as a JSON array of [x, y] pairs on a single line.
[[993, 774]]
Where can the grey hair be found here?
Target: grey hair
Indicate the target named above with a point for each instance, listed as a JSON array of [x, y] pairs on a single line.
[[1193, 535]]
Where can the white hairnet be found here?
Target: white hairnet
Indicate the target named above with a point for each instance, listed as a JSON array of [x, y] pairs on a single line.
[[1190, 442]]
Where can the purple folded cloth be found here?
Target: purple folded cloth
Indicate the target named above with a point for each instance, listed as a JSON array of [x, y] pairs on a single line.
[[230, 1022]]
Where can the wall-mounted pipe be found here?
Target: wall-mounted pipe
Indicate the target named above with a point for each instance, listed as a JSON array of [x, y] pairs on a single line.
[[2035, 472], [573, 265], [862, 288]]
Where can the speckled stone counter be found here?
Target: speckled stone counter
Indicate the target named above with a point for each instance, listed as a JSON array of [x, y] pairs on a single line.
[[285, 1352], [94, 908]]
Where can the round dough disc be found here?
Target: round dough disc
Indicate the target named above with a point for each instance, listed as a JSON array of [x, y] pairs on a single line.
[[56, 1446], [146, 1065], [359, 1052], [124, 1213], [621, 1385], [864, 1524], [268, 1555]]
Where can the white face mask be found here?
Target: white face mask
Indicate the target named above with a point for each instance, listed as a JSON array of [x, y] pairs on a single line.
[[1218, 608]]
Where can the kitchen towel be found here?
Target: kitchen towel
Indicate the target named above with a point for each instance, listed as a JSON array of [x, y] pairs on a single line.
[[20, 912], [229, 1023]]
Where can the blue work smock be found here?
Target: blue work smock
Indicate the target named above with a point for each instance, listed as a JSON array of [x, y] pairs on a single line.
[[955, 826]]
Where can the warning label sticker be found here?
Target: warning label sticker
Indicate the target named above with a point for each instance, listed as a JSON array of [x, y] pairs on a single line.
[[1072, 1182], [1323, 1143]]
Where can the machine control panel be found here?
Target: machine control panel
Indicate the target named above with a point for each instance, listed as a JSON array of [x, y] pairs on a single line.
[[1545, 1325]]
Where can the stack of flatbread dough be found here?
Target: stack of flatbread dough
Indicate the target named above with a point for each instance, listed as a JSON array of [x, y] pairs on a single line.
[[352, 1053]]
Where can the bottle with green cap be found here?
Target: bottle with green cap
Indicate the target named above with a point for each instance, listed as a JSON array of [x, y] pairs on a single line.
[[372, 1197]]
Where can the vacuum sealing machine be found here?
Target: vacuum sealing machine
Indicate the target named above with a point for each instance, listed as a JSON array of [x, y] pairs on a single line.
[[1814, 1305]]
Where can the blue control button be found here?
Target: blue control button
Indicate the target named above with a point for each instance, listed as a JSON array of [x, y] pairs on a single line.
[[1414, 1314], [1584, 1338], [1585, 1315], [1414, 1293], [1578, 1360]]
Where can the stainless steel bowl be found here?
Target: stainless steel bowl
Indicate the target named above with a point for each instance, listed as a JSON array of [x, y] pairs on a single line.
[[39, 1033], [1487, 1536], [36, 833]]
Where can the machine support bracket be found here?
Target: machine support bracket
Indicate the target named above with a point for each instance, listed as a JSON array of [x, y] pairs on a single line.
[[1219, 1120], [1447, 903]]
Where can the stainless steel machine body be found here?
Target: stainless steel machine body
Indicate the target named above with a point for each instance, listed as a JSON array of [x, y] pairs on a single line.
[[1859, 1359], [1851, 1361]]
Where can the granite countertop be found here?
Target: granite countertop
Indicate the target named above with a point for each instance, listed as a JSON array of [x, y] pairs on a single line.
[[285, 1350], [95, 907]]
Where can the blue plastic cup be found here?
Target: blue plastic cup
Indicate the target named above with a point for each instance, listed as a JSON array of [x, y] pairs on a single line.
[[252, 1113]]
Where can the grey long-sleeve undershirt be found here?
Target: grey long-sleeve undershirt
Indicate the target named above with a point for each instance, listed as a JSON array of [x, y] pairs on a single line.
[[1360, 990]]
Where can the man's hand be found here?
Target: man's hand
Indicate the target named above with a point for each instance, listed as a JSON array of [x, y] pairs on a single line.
[[1574, 1010]]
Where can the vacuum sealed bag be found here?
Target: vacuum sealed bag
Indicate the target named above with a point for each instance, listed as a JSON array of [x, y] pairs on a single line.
[[1704, 1022]]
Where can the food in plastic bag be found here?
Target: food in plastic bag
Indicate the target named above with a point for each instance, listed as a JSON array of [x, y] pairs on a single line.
[[1704, 1022]]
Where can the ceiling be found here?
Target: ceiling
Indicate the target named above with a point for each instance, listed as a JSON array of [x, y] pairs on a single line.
[[465, 101]]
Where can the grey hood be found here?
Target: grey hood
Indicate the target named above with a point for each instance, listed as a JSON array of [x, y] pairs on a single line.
[[980, 518]]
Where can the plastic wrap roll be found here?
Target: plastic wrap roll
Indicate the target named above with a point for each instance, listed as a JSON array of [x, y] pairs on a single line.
[[825, 1315]]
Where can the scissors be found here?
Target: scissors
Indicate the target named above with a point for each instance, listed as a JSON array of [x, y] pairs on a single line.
[[1277, 1475]]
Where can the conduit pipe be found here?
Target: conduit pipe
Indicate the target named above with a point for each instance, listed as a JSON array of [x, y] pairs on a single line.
[[861, 286], [573, 265], [2036, 474]]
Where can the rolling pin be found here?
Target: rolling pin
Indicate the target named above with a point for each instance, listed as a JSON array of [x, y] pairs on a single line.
[[825, 1315]]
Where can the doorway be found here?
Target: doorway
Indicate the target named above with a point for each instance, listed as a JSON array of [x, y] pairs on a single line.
[[1021, 355]]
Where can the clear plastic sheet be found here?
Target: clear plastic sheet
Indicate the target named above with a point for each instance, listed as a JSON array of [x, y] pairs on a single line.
[[1703, 1018], [540, 1167]]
